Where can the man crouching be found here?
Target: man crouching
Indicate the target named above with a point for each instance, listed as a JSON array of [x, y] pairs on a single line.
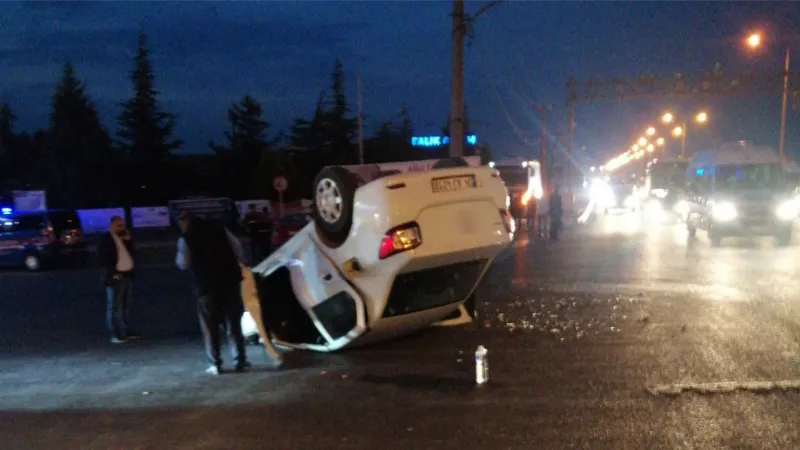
[[213, 256]]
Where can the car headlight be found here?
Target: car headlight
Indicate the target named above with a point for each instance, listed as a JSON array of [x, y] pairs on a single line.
[[723, 211], [682, 208], [787, 210]]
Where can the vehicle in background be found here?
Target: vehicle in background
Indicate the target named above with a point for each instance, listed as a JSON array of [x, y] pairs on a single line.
[[399, 253], [612, 195], [221, 209], [286, 227], [38, 239], [739, 189], [523, 179], [663, 190]]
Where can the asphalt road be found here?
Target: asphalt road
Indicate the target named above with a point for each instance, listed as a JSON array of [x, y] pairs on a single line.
[[616, 337]]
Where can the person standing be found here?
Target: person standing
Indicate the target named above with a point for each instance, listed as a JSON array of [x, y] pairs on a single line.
[[215, 258], [117, 256], [556, 214]]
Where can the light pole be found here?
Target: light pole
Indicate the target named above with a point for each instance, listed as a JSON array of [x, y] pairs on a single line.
[[461, 23], [680, 131], [754, 41]]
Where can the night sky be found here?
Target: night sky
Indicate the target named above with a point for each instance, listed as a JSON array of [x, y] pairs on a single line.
[[207, 55]]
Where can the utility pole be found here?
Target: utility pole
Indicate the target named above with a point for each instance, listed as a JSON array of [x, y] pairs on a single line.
[[457, 81], [360, 122], [783, 107]]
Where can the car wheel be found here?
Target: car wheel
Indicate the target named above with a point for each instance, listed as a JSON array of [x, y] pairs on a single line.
[[448, 163], [334, 191], [784, 237], [32, 262]]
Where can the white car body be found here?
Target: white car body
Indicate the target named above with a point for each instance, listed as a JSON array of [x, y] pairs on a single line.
[[317, 297]]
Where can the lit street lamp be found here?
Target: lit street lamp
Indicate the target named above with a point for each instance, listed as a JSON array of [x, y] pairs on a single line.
[[650, 147], [680, 131], [660, 141], [642, 141], [651, 131], [754, 41]]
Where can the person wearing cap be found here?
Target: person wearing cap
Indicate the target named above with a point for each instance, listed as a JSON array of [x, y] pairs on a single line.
[[215, 258]]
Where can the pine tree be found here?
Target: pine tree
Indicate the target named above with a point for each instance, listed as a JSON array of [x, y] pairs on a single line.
[[246, 145], [340, 129], [7, 119], [145, 132], [77, 155]]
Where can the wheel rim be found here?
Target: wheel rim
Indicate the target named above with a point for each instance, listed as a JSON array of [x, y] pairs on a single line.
[[31, 262], [329, 200]]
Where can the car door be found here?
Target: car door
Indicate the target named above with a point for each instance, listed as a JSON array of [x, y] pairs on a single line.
[[334, 305], [9, 246]]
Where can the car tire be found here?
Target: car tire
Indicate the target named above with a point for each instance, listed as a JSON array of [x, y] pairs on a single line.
[[784, 237], [449, 163], [32, 262], [334, 193]]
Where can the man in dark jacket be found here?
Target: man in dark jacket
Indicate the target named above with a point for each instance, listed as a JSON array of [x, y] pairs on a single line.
[[214, 257], [117, 256]]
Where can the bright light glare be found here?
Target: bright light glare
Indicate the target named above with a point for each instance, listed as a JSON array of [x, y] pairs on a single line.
[[787, 210], [754, 40], [651, 131], [642, 141], [701, 117], [660, 141], [677, 131], [724, 211], [667, 118]]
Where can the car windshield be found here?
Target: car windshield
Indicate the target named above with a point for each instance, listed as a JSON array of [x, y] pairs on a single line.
[[755, 176], [668, 175], [513, 175]]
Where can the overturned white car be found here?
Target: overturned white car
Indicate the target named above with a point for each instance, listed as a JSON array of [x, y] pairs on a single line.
[[382, 258]]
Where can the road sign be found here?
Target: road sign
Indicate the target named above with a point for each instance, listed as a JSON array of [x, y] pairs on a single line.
[[280, 184]]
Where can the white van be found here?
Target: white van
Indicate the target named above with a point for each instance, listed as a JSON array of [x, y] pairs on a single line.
[[739, 189]]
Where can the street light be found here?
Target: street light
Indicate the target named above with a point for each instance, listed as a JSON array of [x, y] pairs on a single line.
[[677, 131], [650, 147], [701, 117], [635, 147], [754, 41], [642, 141], [667, 118], [660, 141], [651, 131]]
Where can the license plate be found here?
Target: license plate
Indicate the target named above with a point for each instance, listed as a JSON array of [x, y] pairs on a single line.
[[450, 184]]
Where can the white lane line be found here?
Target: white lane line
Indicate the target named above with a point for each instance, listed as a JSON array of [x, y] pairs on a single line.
[[723, 387]]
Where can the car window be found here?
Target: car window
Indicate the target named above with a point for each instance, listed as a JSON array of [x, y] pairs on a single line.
[[22, 223]]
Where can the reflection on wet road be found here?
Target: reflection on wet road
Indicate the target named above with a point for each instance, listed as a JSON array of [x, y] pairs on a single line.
[[624, 334]]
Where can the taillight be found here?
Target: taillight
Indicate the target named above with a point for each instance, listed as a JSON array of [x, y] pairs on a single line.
[[495, 174], [400, 239], [508, 221]]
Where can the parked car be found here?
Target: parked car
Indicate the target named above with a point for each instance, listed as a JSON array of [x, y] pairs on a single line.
[[288, 226], [399, 253], [37, 239]]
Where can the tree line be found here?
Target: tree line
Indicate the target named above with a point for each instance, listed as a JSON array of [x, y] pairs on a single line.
[[81, 164]]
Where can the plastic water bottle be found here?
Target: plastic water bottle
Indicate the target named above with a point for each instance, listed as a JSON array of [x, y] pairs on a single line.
[[481, 365]]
